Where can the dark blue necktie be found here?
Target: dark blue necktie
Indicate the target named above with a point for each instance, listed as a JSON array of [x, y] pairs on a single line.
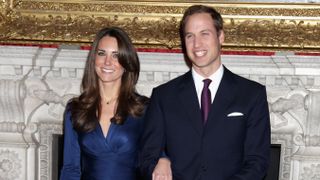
[[205, 100]]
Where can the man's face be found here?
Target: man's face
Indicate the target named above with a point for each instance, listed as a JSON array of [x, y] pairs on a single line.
[[203, 43]]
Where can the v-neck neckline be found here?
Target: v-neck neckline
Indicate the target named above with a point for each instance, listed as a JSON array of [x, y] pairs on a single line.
[[108, 133]]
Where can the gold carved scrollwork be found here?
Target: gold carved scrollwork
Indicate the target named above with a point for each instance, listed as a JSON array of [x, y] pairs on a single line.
[[155, 24], [273, 33]]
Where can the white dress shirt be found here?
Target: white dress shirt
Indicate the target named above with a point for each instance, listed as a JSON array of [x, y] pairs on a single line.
[[215, 78]]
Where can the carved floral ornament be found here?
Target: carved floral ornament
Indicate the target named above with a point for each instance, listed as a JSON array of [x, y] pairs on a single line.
[[154, 24], [10, 165]]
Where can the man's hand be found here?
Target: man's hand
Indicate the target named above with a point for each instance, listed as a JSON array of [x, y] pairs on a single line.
[[162, 171]]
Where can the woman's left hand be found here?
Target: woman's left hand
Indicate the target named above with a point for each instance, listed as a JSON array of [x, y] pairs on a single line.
[[162, 171]]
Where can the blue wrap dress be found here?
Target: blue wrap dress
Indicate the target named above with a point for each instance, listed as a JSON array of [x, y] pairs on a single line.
[[92, 156]]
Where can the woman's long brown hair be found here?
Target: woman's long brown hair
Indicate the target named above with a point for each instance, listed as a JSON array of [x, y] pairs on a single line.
[[86, 109]]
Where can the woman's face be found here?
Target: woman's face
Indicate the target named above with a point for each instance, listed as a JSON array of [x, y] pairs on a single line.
[[107, 65]]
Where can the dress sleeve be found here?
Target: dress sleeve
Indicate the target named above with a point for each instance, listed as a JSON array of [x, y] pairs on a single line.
[[71, 169]]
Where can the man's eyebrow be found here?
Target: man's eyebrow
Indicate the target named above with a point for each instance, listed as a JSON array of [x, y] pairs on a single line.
[[187, 33], [206, 30]]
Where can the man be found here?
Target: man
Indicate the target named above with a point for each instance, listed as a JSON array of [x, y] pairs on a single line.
[[232, 140]]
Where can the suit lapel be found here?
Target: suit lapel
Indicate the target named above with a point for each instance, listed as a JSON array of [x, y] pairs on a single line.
[[189, 101]]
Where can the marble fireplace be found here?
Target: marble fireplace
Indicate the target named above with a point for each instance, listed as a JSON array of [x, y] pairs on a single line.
[[36, 83]]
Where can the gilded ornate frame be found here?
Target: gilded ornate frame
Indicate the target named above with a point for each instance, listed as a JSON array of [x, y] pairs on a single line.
[[154, 24]]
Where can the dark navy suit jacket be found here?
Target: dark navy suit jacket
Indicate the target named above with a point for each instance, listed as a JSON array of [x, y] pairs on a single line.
[[233, 145]]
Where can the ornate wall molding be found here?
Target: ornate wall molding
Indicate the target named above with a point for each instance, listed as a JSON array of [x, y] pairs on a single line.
[[155, 23], [47, 129], [42, 80]]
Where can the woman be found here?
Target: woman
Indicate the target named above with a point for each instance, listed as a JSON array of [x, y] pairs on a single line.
[[103, 125]]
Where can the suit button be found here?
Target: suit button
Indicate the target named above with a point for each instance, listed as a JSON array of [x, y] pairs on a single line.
[[204, 168]]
